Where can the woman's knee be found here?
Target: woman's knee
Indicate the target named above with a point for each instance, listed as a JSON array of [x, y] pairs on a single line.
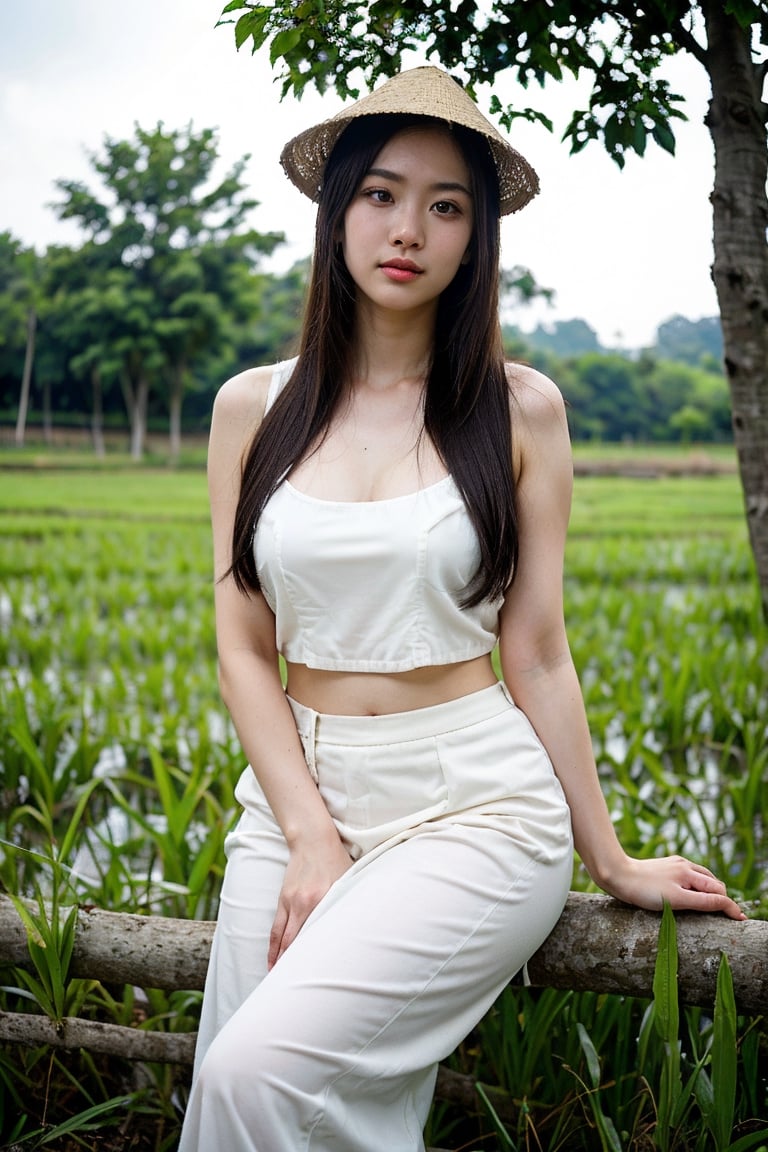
[[223, 1069], [255, 1065]]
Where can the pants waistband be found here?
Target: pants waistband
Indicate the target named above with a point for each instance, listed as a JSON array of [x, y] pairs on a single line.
[[396, 727]]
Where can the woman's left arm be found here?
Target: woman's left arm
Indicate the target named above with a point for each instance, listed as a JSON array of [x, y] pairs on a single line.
[[539, 671]]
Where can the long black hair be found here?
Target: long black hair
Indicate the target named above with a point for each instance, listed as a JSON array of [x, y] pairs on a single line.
[[467, 400]]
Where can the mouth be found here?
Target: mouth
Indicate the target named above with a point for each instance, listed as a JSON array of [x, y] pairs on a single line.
[[401, 271], [402, 265]]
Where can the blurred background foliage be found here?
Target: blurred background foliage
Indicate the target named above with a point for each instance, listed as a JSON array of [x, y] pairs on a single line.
[[132, 331]]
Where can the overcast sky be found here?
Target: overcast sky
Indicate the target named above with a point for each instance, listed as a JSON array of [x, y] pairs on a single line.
[[625, 250]]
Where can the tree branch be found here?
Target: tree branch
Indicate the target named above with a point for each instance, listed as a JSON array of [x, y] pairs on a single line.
[[108, 1039], [597, 944], [689, 43]]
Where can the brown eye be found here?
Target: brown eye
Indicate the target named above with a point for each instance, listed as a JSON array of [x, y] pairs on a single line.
[[378, 195]]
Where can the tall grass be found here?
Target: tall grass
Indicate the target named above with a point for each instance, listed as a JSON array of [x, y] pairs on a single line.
[[118, 766]]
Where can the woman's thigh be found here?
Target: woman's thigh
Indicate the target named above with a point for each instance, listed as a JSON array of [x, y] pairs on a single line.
[[491, 873], [399, 961], [257, 855]]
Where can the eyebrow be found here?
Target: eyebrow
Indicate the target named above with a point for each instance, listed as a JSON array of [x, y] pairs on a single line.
[[441, 186]]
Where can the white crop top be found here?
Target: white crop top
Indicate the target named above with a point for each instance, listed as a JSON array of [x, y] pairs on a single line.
[[371, 586]]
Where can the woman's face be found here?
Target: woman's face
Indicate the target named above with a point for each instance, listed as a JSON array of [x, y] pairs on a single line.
[[408, 226]]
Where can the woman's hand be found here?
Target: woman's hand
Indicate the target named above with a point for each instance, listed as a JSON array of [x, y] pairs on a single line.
[[311, 871], [648, 883]]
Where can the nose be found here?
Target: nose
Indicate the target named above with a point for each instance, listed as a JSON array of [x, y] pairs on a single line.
[[406, 231]]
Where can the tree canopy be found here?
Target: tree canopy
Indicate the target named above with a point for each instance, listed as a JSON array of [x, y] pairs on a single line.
[[165, 268]]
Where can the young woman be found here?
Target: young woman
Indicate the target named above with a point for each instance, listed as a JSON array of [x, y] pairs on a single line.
[[386, 509]]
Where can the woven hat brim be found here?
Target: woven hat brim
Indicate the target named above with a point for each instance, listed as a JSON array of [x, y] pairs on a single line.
[[423, 91]]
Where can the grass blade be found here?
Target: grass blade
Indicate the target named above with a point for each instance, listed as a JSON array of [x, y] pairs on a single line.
[[723, 1057]]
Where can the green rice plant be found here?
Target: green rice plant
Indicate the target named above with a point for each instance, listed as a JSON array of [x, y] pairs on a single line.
[[119, 765], [608, 1069], [50, 940], [671, 1098], [709, 1088], [716, 1091], [183, 865], [498, 1125], [718, 1098], [752, 1094], [89, 1120], [533, 1045], [609, 1137], [14, 1089], [517, 1049]]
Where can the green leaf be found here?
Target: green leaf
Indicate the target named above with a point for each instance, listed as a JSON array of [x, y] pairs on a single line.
[[83, 1121], [588, 1048], [664, 136], [32, 929], [667, 1022], [667, 1014], [609, 1137], [283, 43], [251, 24], [705, 1097], [613, 132], [24, 739], [745, 11], [724, 1056], [74, 826], [752, 1141], [497, 1122]]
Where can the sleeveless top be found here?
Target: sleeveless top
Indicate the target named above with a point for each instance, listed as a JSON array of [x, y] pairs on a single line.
[[371, 585]]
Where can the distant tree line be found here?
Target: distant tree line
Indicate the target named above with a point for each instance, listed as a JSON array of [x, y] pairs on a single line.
[[155, 303], [166, 296], [672, 391]]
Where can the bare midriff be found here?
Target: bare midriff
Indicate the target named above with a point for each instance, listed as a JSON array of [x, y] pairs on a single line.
[[381, 693]]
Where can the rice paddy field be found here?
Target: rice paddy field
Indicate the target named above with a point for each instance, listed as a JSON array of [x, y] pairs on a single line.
[[117, 764]]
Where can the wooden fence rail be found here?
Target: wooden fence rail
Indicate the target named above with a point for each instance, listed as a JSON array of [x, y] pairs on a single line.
[[598, 944]]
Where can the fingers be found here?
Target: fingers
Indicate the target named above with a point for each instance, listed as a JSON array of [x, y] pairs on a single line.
[[308, 877], [276, 935], [700, 890], [284, 931], [702, 880], [694, 900], [684, 885]]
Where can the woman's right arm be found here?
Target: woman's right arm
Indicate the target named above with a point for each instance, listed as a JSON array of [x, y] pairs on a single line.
[[250, 682]]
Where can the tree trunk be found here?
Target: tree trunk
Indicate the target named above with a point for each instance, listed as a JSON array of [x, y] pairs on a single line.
[[136, 402], [176, 396], [179, 1048], [47, 413], [109, 1039], [597, 944], [737, 123], [26, 378], [139, 419], [97, 411]]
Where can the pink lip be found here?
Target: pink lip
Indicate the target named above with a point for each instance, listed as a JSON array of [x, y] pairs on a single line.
[[401, 270]]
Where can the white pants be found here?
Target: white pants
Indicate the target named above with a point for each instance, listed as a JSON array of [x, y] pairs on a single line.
[[462, 844]]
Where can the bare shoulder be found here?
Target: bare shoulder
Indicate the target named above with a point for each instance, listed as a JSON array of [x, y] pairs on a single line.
[[535, 397], [237, 413], [540, 434], [239, 409], [244, 397]]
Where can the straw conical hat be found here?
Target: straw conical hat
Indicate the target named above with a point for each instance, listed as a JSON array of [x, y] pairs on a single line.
[[426, 91]]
